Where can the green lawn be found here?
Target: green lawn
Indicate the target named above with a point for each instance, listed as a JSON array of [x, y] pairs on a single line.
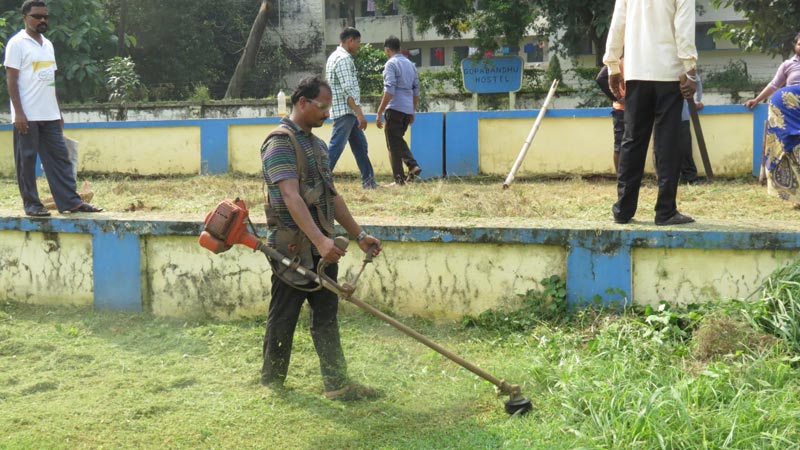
[[78, 378]]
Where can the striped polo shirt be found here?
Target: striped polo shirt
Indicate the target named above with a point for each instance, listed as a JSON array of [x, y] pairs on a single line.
[[279, 162]]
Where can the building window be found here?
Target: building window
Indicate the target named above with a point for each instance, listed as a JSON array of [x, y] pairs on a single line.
[[368, 6], [392, 8], [415, 55], [460, 53], [437, 56], [534, 52], [512, 50], [702, 39]]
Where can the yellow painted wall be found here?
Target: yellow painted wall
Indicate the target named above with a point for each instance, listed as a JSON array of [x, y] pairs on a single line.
[[7, 154], [244, 143], [186, 280], [431, 280], [682, 276], [447, 281], [580, 145], [46, 268], [142, 151]]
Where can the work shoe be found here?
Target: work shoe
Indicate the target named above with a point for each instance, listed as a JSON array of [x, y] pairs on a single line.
[[354, 391], [413, 173], [677, 219]]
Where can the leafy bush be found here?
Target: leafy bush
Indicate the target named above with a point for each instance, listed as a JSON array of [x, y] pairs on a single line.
[[548, 305], [553, 71], [369, 65], [200, 93], [123, 82], [733, 78]]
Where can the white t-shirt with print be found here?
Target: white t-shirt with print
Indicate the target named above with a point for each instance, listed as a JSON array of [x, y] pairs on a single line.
[[37, 76]]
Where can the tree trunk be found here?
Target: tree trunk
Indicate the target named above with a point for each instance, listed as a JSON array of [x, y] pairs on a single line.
[[248, 59], [123, 18]]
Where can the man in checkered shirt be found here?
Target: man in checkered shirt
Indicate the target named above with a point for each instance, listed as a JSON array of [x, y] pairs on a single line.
[[348, 119]]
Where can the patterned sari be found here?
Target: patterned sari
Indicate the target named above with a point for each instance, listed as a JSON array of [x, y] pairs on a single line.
[[783, 136]]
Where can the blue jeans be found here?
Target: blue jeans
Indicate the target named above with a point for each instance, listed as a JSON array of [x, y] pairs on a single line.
[[345, 129]]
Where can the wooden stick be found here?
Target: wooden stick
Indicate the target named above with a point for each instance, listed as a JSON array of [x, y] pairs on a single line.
[[527, 144], [701, 142]]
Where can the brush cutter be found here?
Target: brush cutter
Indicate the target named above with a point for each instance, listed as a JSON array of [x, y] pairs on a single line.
[[227, 225]]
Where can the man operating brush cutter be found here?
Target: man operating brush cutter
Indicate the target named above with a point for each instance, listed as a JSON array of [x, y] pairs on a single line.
[[301, 207], [226, 226], [302, 204]]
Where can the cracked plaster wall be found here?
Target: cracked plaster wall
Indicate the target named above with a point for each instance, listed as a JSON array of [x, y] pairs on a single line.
[[681, 276], [46, 268]]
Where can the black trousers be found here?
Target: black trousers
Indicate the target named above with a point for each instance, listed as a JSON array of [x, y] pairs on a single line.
[[650, 107], [46, 139], [396, 126], [284, 310]]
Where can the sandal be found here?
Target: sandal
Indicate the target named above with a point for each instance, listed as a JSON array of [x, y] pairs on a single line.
[[84, 207], [39, 212]]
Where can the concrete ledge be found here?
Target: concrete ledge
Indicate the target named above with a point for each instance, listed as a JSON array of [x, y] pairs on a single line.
[[439, 272]]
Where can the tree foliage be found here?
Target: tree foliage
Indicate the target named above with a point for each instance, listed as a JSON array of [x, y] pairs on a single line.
[[497, 22], [83, 38], [184, 43], [576, 22], [770, 27]]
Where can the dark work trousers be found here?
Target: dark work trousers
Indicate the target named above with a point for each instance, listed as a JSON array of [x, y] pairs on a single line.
[[618, 121], [688, 169], [284, 310], [46, 139], [649, 103], [396, 126]]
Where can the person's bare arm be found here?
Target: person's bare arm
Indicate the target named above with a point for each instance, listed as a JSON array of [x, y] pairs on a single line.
[[20, 119], [346, 220], [765, 93]]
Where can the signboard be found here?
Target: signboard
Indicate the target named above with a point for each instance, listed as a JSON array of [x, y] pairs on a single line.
[[492, 75]]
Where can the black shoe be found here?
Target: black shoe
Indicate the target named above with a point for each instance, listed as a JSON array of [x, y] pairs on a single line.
[[677, 219], [38, 212], [413, 173], [621, 221]]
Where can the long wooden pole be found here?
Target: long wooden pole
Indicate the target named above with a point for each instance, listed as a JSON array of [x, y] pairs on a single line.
[[701, 141], [527, 144]]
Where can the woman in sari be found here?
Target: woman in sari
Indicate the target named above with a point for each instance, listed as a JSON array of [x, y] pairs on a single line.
[[781, 162]]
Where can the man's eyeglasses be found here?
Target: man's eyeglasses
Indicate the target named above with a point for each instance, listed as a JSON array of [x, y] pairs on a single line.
[[320, 105], [40, 16]]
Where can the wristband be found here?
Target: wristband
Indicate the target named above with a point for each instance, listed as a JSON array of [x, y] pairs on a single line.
[[361, 236], [692, 78]]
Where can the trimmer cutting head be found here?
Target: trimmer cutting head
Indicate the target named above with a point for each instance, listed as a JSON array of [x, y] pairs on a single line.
[[518, 407]]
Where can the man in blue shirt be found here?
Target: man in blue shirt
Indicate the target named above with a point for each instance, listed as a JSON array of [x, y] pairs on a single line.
[[399, 102]]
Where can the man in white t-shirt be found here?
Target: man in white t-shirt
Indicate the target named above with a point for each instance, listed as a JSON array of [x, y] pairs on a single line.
[[38, 126]]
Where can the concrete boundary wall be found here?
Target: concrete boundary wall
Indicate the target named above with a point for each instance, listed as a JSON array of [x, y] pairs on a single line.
[[435, 272], [573, 141]]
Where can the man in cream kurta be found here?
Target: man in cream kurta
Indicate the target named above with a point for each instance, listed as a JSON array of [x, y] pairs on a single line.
[[657, 37]]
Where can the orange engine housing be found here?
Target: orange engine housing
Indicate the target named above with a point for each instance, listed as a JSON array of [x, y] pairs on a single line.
[[226, 226]]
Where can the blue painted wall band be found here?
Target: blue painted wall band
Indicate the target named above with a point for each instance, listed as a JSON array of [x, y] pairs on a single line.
[[116, 262], [214, 147]]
